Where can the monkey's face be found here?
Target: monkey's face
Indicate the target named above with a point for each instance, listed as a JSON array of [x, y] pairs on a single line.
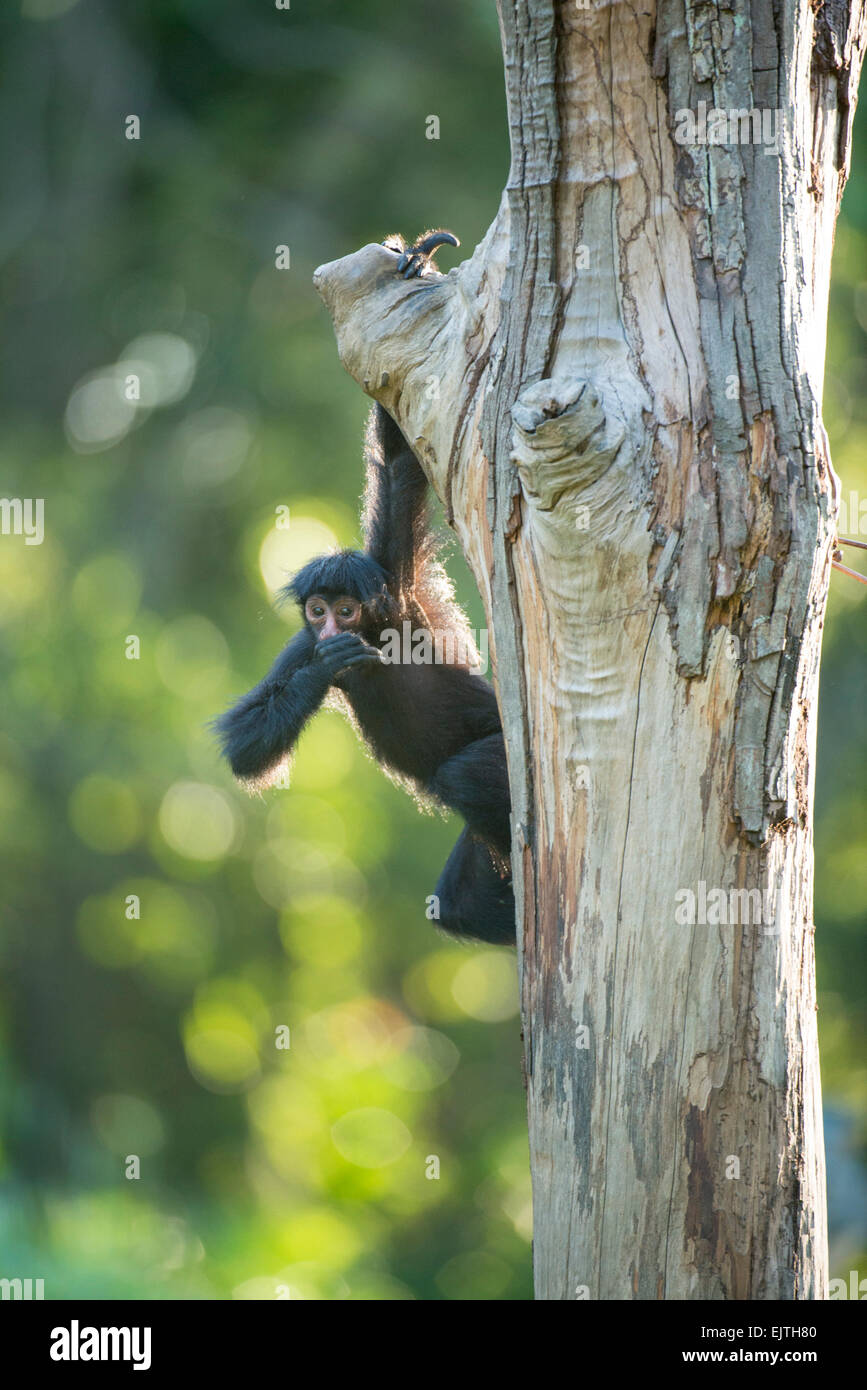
[[329, 616]]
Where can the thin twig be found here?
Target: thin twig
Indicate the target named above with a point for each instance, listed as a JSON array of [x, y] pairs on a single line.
[[844, 569]]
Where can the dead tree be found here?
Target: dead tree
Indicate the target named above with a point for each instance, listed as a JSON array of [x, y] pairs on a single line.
[[618, 399]]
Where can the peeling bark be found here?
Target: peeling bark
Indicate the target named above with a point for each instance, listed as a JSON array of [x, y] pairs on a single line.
[[618, 398]]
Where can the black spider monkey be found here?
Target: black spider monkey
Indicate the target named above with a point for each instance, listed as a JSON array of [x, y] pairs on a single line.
[[435, 726]]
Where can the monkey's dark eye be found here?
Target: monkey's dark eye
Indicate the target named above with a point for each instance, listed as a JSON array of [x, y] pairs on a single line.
[[316, 610], [346, 611]]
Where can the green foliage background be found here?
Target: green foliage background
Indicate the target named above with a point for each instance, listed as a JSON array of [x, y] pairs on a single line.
[[265, 1169]]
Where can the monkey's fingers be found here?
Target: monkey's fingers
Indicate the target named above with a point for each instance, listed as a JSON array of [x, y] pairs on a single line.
[[370, 654], [328, 647], [340, 639]]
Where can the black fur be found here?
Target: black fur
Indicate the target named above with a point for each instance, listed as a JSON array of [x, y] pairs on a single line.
[[435, 726], [418, 259], [345, 572]]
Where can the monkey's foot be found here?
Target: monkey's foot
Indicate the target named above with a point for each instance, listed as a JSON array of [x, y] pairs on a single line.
[[418, 260]]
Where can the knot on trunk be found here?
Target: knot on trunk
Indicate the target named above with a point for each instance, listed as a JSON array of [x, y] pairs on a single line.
[[563, 439]]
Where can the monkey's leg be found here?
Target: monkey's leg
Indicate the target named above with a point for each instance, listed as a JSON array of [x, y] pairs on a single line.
[[475, 897], [475, 783]]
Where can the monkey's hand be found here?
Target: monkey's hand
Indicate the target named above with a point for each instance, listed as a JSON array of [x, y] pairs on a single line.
[[342, 653], [418, 260]]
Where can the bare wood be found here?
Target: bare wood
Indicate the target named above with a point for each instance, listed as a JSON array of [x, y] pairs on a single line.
[[618, 398]]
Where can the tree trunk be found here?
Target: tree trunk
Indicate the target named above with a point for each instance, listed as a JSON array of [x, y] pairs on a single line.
[[618, 398]]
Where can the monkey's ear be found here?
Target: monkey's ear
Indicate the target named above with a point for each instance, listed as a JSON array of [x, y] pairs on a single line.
[[382, 607]]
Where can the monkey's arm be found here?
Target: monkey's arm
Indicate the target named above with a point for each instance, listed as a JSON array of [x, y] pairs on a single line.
[[264, 725], [396, 528], [260, 728]]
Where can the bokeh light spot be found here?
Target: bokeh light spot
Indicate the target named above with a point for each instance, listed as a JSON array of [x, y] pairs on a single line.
[[285, 550], [165, 364], [106, 593], [322, 929], [99, 413], [351, 1036], [213, 445], [197, 821], [420, 1059], [150, 922], [370, 1138], [486, 986], [104, 814], [127, 1125], [222, 1048], [192, 655]]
